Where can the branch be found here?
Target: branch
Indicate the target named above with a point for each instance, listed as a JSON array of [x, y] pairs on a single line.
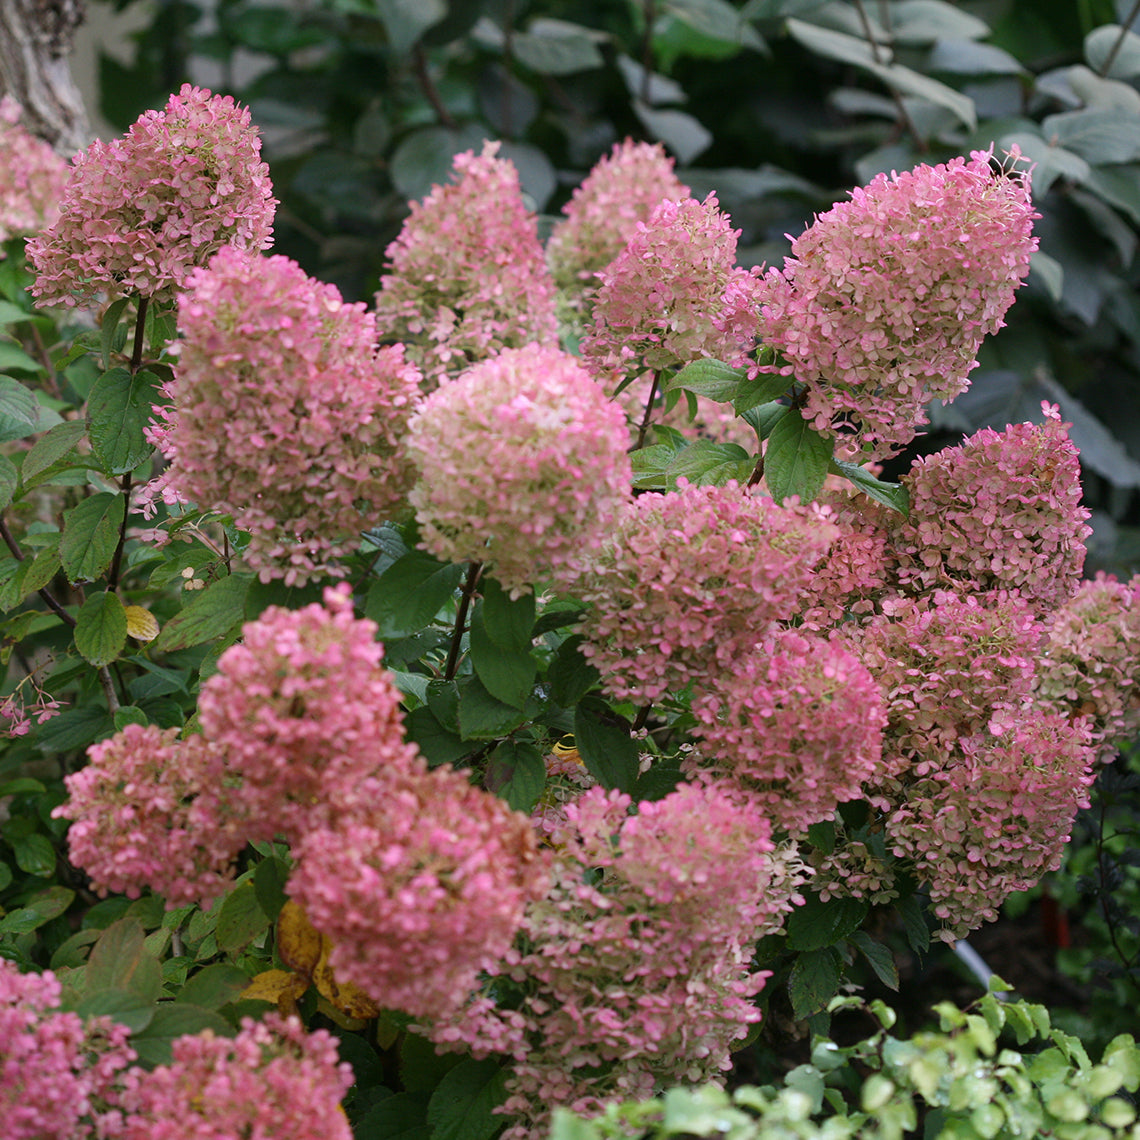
[[473, 572]]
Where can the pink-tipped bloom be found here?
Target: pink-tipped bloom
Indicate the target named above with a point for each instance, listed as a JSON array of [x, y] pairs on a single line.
[[467, 276], [34, 177], [674, 294], [690, 580], [419, 889], [141, 213], [602, 215], [145, 814], [886, 298], [797, 724], [304, 712], [1091, 664], [273, 1081], [285, 414], [996, 818], [1000, 511], [522, 463]]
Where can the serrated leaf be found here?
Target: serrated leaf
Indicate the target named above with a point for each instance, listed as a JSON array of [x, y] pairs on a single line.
[[570, 675], [118, 409], [516, 772], [129, 714], [9, 479], [241, 919], [483, 716], [173, 1020], [124, 1006], [462, 1106], [399, 1117], [507, 674], [882, 961], [19, 410], [120, 960], [101, 628], [706, 463], [269, 885], [892, 495], [215, 986], [109, 326], [764, 418], [813, 981], [14, 357], [508, 621], [141, 623], [608, 751], [212, 613], [764, 389], [817, 924], [51, 448], [710, 378], [408, 595], [438, 745], [797, 459], [421, 1067], [90, 535]]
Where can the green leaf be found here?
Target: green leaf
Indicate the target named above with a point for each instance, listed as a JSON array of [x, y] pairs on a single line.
[[101, 628], [90, 535], [21, 786], [212, 613], [516, 773], [797, 459], [509, 622], [764, 418], [483, 716], [555, 47], [879, 956], [461, 1106], [716, 19], [215, 986], [399, 1117], [74, 728], [1101, 42], [119, 407], [438, 745], [9, 479], [507, 674], [173, 1020], [108, 327], [764, 389], [423, 158], [119, 960], [129, 714], [19, 410], [40, 909], [124, 1006], [34, 574], [570, 675], [710, 378], [406, 20], [683, 134], [706, 463], [814, 980], [14, 357], [51, 448], [241, 919], [817, 924], [269, 885], [421, 1067], [892, 495], [409, 594], [261, 595], [603, 741], [914, 923], [34, 854]]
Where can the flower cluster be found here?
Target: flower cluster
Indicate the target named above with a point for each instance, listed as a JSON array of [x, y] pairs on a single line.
[[284, 414], [467, 276], [34, 178], [645, 976], [690, 580], [996, 818], [1000, 511], [797, 724], [674, 294], [59, 1075], [142, 212], [420, 888], [304, 711], [522, 463], [145, 814], [602, 216], [947, 666], [886, 298], [273, 1081], [1091, 664]]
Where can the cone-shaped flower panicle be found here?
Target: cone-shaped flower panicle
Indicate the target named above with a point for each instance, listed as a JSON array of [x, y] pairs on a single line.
[[522, 463], [602, 215], [690, 580], [674, 294], [33, 181], [886, 298], [467, 275], [141, 213], [284, 414]]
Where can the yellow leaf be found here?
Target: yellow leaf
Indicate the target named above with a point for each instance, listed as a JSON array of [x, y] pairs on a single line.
[[282, 987], [299, 944], [141, 623], [349, 999]]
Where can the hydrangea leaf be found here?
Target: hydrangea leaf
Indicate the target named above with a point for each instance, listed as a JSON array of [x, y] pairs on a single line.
[[797, 459]]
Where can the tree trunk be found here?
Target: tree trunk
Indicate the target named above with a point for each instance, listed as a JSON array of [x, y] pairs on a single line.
[[35, 38]]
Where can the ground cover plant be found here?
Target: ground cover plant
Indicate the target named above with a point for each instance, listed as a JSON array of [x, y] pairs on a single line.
[[527, 680]]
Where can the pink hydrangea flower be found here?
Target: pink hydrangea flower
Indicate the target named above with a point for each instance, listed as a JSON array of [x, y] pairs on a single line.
[[797, 724], [996, 818], [34, 177], [947, 667], [142, 212], [522, 463], [304, 712], [690, 580], [59, 1075], [285, 414], [1091, 664], [886, 298], [420, 888], [674, 294], [145, 813], [467, 276], [273, 1081], [1000, 511], [602, 215]]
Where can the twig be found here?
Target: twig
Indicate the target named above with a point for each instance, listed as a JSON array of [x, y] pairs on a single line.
[[648, 413], [420, 68], [109, 690], [904, 114], [473, 572], [1110, 59], [46, 597], [647, 51]]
